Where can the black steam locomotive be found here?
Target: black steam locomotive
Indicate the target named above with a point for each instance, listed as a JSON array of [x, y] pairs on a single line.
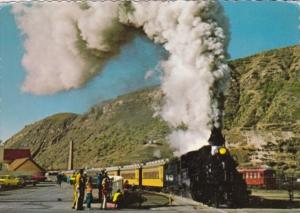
[[208, 175]]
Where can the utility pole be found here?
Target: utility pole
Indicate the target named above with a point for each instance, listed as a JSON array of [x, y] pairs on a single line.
[[70, 160]]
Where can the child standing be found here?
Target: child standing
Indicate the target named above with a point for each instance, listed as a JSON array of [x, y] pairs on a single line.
[[89, 192]]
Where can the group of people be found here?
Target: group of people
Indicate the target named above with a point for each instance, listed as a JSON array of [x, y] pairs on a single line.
[[84, 184]]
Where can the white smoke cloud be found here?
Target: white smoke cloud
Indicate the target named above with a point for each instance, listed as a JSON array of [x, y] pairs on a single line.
[[50, 51], [66, 43], [189, 31]]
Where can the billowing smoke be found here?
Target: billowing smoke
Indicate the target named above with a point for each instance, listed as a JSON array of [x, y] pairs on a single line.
[[67, 43]]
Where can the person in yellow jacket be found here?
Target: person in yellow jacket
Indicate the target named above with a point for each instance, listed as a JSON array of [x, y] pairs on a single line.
[[80, 187], [75, 195], [117, 197]]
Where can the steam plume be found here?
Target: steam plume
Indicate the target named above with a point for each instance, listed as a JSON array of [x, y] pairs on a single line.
[[67, 43]]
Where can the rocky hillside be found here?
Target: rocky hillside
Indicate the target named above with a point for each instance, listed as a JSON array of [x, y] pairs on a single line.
[[263, 109], [262, 121]]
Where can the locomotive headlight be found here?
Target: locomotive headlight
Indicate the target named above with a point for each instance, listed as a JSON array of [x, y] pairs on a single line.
[[222, 151]]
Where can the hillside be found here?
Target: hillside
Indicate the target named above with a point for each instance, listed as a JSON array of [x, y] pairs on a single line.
[[262, 110], [121, 131], [262, 121]]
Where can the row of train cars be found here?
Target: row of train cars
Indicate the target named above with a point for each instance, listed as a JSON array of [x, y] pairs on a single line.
[[209, 175], [210, 179], [152, 175]]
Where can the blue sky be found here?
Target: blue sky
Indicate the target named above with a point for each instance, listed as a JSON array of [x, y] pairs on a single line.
[[254, 26]]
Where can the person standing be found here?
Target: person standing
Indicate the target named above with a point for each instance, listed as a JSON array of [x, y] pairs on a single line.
[[80, 187], [59, 178], [75, 195], [105, 190], [89, 192], [99, 185]]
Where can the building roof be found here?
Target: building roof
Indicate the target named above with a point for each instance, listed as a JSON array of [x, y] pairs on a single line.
[[21, 161], [17, 163], [12, 154]]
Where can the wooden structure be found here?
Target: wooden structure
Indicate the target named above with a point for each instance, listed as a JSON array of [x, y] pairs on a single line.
[[27, 165]]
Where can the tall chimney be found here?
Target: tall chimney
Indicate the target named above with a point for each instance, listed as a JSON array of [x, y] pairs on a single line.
[[70, 160]]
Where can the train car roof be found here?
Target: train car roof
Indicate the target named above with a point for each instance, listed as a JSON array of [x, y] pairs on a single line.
[[112, 168], [156, 163], [255, 169], [133, 166]]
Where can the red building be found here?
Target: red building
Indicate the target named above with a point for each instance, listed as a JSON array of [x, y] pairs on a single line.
[[9, 155], [259, 177]]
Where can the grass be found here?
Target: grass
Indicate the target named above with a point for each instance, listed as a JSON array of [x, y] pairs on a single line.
[[275, 194]]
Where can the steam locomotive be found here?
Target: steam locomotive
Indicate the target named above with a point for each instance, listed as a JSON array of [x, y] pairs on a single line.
[[208, 175]]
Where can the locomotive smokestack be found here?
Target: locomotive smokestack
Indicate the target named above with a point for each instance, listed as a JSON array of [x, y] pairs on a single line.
[[216, 138]]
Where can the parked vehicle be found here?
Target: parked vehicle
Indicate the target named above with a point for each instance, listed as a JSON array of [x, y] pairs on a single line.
[[39, 177], [51, 176], [27, 180], [10, 181]]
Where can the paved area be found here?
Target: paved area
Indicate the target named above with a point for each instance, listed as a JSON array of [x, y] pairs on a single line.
[[36, 199], [50, 198]]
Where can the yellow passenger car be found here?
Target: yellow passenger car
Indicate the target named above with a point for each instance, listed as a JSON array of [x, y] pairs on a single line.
[[153, 174], [113, 171], [131, 174]]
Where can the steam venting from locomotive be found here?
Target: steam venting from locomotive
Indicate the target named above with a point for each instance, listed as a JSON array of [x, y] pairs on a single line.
[[67, 43]]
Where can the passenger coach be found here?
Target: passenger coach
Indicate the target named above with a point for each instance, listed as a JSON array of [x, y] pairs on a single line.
[[153, 174], [259, 177]]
